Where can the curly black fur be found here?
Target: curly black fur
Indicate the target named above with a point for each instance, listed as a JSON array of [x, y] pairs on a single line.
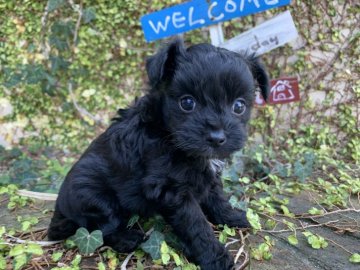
[[156, 158]]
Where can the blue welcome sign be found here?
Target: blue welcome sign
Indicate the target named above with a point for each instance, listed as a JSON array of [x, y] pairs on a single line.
[[199, 13]]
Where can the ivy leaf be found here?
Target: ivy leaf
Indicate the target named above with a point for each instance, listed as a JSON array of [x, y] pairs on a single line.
[[293, 240], [34, 249], [89, 14], [56, 256], [132, 221], [152, 245], [286, 211], [253, 219], [88, 243], [165, 258], [315, 211], [2, 262], [17, 250], [355, 258], [19, 261], [55, 4], [101, 266]]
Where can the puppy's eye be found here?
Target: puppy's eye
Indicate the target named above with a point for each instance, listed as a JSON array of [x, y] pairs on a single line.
[[187, 103], [239, 106]]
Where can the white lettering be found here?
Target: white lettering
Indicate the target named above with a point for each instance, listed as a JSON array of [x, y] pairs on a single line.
[[256, 2], [191, 22], [271, 2], [211, 17], [230, 6], [177, 20], [160, 25]]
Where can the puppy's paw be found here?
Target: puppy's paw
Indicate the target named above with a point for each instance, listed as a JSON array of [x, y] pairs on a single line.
[[125, 241], [239, 220]]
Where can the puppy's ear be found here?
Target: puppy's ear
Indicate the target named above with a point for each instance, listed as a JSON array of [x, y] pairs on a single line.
[[161, 66], [259, 72]]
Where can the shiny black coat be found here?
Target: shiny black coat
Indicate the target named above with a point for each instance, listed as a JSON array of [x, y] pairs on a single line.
[[157, 158]]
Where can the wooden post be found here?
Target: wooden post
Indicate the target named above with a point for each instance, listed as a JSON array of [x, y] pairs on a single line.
[[216, 34]]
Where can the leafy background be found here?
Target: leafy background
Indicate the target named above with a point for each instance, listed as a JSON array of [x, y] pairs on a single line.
[[66, 66]]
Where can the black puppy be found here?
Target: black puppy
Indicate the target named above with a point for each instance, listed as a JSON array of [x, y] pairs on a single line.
[[159, 156]]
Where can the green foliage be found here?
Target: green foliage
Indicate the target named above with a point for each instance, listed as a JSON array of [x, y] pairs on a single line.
[[355, 258], [253, 219], [225, 233], [87, 242], [292, 239], [316, 241], [153, 244], [27, 222], [262, 252], [22, 253], [56, 256]]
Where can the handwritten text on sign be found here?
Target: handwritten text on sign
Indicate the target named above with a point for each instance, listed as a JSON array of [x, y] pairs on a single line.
[[200, 13], [265, 37], [283, 90]]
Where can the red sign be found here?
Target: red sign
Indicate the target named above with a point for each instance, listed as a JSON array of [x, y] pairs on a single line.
[[283, 90]]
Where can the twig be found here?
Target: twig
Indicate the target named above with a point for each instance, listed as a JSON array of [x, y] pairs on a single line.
[[300, 228], [78, 22], [82, 111], [332, 213], [125, 262], [232, 242], [336, 244], [245, 263], [37, 195], [240, 251], [41, 243]]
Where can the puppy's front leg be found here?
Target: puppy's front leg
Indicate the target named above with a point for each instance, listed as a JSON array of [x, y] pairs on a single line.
[[191, 226], [219, 211]]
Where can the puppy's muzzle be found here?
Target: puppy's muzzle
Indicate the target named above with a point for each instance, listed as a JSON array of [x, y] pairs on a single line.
[[216, 138]]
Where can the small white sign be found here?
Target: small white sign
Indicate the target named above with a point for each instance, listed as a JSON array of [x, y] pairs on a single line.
[[264, 37]]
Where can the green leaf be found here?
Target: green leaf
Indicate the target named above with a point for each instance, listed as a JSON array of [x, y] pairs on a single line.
[[292, 239], [88, 243], [2, 262], [164, 248], [77, 260], [25, 225], [229, 231], [139, 265], [101, 266], [355, 258], [56, 256], [34, 249], [315, 211], [2, 230], [152, 245], [17, 250], [253, 219], [177, 259], [19, 261], [132, 221], [89, 14], [286, 211], [55, 4], [165, 258]]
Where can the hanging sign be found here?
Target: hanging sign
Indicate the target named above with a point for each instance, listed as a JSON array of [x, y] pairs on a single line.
[[199, 13], [283, 90], [264, 37]]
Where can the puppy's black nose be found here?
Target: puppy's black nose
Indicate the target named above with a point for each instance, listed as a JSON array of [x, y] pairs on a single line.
[[216, 137]]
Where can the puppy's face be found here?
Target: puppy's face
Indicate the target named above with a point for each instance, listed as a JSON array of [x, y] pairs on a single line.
[[206, 98]]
